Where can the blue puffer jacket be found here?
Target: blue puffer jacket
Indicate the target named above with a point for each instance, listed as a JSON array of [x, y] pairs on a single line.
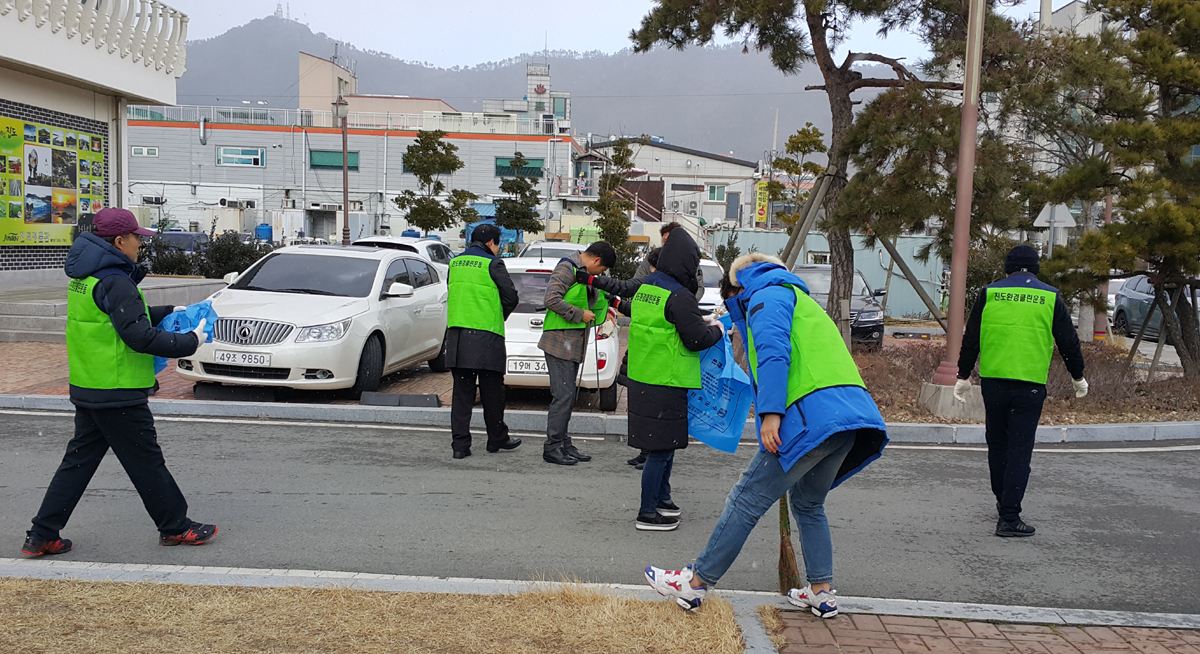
[[818, 415]]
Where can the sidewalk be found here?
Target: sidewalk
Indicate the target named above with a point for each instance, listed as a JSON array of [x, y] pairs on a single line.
[[870, 634]]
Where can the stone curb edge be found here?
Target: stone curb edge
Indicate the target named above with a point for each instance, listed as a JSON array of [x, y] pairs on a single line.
[[745, 602], [601, 424]]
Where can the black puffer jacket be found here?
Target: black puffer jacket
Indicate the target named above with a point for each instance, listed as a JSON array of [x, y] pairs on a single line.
[[477, 349], [117, 295], [658, 414]]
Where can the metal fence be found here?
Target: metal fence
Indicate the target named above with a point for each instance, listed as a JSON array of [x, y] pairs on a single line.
[[472, 123]]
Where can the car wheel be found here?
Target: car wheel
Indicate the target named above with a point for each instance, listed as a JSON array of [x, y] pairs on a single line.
[[1121, 324], [608, 398], [438, 364], [370, 368]]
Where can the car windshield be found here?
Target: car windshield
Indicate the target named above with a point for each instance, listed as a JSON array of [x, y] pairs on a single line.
[[183, 240], [311, 274], [547, 252], [818, 281], [712, 276], [531, 289]]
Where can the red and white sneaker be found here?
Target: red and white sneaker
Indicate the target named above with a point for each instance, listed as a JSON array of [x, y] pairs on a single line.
[[822, 604], [677, 584]]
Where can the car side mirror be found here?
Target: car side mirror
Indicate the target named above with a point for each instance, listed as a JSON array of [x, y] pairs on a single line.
[[229, 278], [879, 292], [399, 290]]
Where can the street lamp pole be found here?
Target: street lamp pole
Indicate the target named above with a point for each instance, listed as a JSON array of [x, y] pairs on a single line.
[[947, 372], [341, 109]]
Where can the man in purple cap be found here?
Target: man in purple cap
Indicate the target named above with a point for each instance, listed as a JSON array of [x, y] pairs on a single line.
[[111, 345]]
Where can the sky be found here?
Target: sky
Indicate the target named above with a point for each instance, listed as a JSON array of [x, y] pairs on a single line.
[[449, 33]]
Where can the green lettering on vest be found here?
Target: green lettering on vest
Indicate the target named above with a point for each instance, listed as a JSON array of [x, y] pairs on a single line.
[[656, 352], [96, 355], [576, 296], [474, 300], [819, 356], [1016, 334]]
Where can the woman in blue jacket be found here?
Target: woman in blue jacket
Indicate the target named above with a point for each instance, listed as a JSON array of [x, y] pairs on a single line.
[[817, 426]]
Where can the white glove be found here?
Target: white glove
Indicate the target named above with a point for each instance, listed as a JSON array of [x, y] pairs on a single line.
[[199, 332], [179, 309], [1081, 387], [716, 323], [961, 388]]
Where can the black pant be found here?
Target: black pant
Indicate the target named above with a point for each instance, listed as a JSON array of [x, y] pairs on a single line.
[[491, 392], [129, 431], [1013, 409]]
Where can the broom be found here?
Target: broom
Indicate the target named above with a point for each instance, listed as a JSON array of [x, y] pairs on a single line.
[[789, 573]]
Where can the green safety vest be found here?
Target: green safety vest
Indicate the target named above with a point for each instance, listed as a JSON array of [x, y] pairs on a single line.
[[819, 355], [474, 300], [656, 352], [1016, 334], [577, 296], [97, 356]]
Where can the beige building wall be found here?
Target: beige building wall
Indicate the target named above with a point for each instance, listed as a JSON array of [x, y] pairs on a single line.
[[321, 81], [29, 89]]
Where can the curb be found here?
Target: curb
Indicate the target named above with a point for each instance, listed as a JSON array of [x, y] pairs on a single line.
[[745, 602], [601, 424]]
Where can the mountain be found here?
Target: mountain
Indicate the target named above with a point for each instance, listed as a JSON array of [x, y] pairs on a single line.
[[715, 99]]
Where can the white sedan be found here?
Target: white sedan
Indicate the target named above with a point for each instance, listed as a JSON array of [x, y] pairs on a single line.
[[324, 317], [527, 364]]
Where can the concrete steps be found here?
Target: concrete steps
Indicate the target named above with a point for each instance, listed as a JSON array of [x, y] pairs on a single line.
[[37, 322]]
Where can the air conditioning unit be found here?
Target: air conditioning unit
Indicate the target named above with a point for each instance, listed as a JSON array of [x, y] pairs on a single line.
[[675, 205], [153, 200], [327, 206], [355, 205], [233, 203], [587, 211], [693, 204], [289, 203]]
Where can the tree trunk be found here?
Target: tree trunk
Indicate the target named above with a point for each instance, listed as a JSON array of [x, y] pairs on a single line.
[[1187, 344]]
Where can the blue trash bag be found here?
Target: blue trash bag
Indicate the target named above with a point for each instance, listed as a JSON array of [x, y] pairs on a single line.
[[717, 411], [182, 322]]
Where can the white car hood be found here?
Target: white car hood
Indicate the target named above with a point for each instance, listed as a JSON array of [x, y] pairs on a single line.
[[298, 309]]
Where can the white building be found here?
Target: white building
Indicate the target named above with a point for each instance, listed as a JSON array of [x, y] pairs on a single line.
[[68, 68]]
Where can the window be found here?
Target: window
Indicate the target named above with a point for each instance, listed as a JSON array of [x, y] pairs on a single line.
[[560, 108], [716, 193], [251, 157], [532, 169], [145, 152], [331, 160], [437, 255], [818, 258], [419, 273], [397, 272]]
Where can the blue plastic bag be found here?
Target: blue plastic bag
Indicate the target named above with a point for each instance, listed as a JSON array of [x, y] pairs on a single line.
[[182, 322], [717, 411]]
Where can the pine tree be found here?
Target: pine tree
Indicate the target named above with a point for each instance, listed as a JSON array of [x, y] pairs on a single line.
[[430, 158]]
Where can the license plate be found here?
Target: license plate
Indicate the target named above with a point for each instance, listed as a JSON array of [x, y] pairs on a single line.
[[527, 366], [242, 358]]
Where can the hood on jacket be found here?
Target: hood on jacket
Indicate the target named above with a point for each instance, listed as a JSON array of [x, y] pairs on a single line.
[[680, 259], [755, 271], [477, 250], [90, 254]]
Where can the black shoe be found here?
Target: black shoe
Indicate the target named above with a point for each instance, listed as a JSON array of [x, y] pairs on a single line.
[[637, 460], [511, 444], [35, 546], [656, 523], [668, 509], [558, 457], [1014, 528], [574, 453], [640, 466], [197, 534], [462, 454]]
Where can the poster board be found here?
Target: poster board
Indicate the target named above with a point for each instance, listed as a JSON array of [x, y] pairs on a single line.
[[51, 179]]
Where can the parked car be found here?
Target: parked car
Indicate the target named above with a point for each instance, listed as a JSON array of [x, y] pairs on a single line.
[[1114, 287], [712, 285], [324, 317], [866, 315], [429, 249], [1132, 304], [526, 364], [187, 241], [304, 240], [551, 250]]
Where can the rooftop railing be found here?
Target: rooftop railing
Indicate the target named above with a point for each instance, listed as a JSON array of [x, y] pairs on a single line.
[[143, 31], [473, 123]]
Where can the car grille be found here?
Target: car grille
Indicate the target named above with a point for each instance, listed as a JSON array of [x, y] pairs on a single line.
[[242, 331], [853, 316], [245, 372]]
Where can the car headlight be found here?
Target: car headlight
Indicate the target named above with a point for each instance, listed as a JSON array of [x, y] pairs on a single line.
[[324, 333], [870, 316]]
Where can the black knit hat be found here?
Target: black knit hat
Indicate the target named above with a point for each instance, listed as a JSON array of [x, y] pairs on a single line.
[[1021, 257]]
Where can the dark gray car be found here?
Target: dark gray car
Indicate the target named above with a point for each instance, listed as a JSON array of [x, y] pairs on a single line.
[[1133, 303], [866, 316]]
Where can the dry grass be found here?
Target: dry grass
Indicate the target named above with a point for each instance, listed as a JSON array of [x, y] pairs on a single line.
[[774, 624], [895, 374], [100, 617]]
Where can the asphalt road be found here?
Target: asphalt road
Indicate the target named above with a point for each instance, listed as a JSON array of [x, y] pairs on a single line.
[[1116, 531]]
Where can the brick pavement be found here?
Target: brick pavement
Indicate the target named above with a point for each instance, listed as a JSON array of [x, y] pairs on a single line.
[[870, 634]]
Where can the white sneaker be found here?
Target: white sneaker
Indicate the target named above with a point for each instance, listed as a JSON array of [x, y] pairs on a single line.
[[677, 584], [822, 604]]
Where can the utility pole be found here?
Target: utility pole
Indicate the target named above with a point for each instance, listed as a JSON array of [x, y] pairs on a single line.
[[947, 372]]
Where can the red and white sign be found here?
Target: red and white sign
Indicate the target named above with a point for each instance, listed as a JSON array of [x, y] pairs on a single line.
[[540, 89]]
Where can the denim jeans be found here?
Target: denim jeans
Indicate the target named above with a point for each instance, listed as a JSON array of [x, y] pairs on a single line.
[[761, 485], [656, 480]]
